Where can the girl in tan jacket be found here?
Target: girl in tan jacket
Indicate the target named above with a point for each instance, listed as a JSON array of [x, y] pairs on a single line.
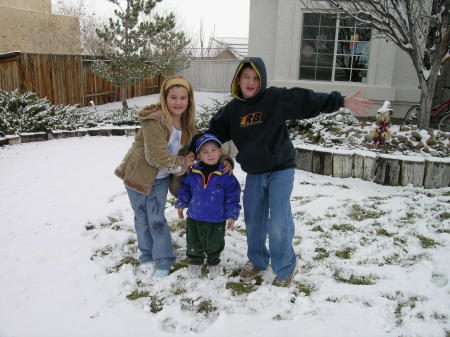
[[166, 128]]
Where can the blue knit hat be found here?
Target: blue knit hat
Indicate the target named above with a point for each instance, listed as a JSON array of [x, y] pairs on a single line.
[[207, 137]]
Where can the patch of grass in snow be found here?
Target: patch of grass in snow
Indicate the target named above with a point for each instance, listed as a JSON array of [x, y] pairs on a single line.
[[383, 232], [180, 264], [89, 226], [345, 253], [126, 260], [102, 251], [199, 305], [446, 194], [321, 254], [343, 227], [442, 231], [353, 279], [402, 304], [360, 213], [444, 216], [317, 228], [110, 221], [239, 288], [302, 288], [136, 294], [156, 304], [426, 242], [178, 226]]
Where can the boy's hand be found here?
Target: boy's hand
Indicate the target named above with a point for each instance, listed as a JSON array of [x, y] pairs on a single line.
[[180, 213], [230, 223], [358, 105], [190, 159]]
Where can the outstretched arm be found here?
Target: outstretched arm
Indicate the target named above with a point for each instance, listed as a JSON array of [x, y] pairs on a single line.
[[358, 105]]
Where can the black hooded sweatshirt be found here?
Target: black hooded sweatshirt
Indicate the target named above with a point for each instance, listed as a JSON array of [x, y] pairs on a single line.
[[257, 125]]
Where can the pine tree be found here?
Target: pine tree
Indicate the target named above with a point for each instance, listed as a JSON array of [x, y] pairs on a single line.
[[129, 36]]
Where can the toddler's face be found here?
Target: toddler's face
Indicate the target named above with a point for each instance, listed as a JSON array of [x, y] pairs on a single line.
[[249, 82], [210, 153], [177, 101]]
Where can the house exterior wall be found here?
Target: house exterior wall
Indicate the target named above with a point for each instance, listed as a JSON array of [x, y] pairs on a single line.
[[35, 5], [275, 35], [34, 31]]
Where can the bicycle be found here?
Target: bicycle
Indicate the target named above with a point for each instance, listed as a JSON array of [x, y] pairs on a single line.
[[439, 116]]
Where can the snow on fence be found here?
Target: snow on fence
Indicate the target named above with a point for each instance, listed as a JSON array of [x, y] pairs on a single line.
[[383, 169]]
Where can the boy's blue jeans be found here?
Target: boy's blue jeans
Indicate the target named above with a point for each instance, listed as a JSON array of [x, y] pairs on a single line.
[[152, 230], [267, 212]]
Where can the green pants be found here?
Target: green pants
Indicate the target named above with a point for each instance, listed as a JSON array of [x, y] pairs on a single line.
[[204, 239]]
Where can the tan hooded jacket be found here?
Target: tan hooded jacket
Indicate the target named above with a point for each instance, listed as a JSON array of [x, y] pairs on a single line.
[[149, 154]]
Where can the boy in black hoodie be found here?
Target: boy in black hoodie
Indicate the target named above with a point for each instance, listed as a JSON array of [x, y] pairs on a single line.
[[256, 122]]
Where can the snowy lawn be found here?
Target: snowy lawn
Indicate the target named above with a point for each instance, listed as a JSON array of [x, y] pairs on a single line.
[[372, 259]]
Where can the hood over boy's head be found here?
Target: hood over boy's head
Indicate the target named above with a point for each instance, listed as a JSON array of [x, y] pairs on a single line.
[[257, 65]]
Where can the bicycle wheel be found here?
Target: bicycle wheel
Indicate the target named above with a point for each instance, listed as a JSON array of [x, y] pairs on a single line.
[[411, 116], [444, 123]]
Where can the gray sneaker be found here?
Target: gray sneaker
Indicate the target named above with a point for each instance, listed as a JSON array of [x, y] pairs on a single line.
[[284, 283], [249, 272]]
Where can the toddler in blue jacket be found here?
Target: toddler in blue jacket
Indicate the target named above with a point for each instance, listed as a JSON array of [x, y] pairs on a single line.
[[212, 201]]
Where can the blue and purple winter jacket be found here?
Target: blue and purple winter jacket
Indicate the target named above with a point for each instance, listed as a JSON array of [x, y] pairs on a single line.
[[211, 199]]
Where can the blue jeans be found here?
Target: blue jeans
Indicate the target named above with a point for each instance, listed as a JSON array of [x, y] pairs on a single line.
[[152, 230], [267, 212]]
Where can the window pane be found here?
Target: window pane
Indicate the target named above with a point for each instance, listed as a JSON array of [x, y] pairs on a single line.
[[309, 60], [345, 34], [307, 73], [311, 19], [310, 33], [343, 61], [324, 74], [342, 74], [359, 76], [327, 33], [328, 20], [347, 22], [361, 62], [325, 60], [363, 34]]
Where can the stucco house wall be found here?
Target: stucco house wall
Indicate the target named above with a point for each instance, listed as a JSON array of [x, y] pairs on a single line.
[[30, 27], [275, 35]]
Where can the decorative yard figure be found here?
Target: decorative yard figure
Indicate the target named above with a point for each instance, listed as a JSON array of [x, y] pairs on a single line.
[[380, 132]]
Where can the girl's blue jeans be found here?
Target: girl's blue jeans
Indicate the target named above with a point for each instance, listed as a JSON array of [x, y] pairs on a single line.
[[267, 212], [152, 230]]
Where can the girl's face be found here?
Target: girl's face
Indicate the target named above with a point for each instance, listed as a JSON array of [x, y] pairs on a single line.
[[177, 101], [249, 82]]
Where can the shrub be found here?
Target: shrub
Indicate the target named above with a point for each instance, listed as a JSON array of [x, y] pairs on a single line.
[[29, 113], [208, 111]]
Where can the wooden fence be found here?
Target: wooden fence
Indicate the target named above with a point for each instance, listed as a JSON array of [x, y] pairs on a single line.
[[64, 79], [210, 75]]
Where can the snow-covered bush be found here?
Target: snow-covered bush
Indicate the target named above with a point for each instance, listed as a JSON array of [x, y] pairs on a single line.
[[208, 111], [120, 117], [29, 113]]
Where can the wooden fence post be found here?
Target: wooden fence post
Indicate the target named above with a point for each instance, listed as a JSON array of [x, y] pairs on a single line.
[[437, 174], [342, 165], [303, 160], [364, 166], [387, 171], [412, 172], [322, 163]]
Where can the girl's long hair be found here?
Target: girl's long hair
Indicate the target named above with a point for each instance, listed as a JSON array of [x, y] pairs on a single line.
[[188, 117]]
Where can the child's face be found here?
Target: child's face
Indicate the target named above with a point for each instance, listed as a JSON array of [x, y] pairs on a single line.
[[249, 83], [177, 101], [210, 153]]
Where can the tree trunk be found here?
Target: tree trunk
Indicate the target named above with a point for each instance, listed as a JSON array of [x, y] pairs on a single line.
[[123, 97]]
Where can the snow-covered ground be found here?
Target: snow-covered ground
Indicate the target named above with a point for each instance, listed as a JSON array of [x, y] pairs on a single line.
[[373, 259]]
